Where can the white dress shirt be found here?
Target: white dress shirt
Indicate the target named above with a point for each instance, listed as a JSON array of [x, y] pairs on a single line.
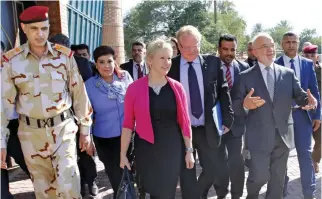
[[287, 63], [135, 70], [185, 82]]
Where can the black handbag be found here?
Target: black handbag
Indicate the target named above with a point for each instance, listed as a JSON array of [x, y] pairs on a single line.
[[126, 189]]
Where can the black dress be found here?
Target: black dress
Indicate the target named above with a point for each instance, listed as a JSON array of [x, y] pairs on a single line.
[[158, 164]]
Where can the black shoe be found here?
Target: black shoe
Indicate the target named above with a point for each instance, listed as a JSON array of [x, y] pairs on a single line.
[[221, 197], [93, 189], [83, 190]]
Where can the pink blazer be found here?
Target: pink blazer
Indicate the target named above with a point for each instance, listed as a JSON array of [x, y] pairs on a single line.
[[137, 109]]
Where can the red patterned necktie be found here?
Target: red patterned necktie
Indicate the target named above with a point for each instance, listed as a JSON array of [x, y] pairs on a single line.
[[140, 74], [228, 76]]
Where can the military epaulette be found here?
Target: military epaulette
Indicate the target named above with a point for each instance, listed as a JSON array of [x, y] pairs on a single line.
[[63, 49], [12, 53]]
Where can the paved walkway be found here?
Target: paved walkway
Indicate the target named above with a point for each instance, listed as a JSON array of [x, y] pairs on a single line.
[[21, 186]]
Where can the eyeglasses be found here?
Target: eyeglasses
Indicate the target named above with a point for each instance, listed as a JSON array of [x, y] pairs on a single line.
[[265, 46], [190, 48]]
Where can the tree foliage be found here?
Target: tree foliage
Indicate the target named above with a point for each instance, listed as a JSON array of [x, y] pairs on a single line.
[[151, 19]]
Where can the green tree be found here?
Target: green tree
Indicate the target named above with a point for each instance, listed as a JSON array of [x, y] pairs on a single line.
[[151, 19], [307, 35], [257, 28], [278, 31]]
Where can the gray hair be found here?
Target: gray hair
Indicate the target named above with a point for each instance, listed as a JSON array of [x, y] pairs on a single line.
[[188, 30]]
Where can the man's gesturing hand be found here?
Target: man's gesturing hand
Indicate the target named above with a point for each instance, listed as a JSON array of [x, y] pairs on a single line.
[[252, 102], [312, 103]]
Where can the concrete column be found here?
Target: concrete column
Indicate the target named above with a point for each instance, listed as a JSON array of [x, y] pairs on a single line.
[[112, 33]]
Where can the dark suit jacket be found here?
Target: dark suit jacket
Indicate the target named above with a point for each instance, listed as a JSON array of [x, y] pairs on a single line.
[[215, 89], [308, 81], [250, 62], [84, 67], [261, 123], [128, 66], [238, 128]]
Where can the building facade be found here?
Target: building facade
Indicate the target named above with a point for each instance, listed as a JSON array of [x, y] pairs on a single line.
[[93, 23]]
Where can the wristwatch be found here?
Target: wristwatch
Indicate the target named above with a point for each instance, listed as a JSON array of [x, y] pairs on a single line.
[[189, 150]]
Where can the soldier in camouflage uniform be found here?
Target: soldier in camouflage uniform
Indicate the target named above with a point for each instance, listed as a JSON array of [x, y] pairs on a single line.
[[41, 82], [310, 52]]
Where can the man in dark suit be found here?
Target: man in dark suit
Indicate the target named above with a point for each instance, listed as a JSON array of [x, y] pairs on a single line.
[[251, 59], [136, 66], [269, 123], [232, 140], [303, 120], [82, 50], [86, 164], [205, 85]]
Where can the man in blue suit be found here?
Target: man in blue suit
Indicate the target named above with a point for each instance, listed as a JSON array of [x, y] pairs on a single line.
[[304, 121]]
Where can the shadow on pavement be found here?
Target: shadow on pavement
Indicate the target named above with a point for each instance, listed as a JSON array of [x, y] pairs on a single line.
[[295, 185]]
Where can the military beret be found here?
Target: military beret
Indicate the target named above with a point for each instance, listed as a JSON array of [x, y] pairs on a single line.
[[310, 49], [34, 14]]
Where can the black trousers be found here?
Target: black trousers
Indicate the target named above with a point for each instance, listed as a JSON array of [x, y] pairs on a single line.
[[268, 166], [212, 163], [13, 150], [108, 150], [235, 170], [86, 165]]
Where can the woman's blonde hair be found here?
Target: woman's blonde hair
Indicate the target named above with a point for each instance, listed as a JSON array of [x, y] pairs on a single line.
[[157, 45]]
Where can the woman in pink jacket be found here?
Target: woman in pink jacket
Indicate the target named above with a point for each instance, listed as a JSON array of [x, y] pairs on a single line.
[[156, 107]]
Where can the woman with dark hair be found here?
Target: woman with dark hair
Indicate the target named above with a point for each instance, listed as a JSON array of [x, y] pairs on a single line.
[[175, 47], [106, 91]]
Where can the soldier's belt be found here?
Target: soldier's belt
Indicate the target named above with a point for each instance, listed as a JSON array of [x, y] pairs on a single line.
[[49, 122]]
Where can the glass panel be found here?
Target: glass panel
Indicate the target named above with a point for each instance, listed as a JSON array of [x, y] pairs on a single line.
[[85, 3], [79, 24], [88, 29], [76, 4], [93, 10], [98, 3], [72, 26], [95, 36], [101, 11], [83, 29], [89, 8]]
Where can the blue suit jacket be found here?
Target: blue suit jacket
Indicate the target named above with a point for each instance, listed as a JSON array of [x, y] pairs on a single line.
[[308, 81]]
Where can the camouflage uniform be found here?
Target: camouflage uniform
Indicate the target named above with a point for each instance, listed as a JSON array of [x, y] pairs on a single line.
[[42, 91]]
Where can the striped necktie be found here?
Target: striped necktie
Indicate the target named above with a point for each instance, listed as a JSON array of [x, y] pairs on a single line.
[[228, 76], [140, 73]]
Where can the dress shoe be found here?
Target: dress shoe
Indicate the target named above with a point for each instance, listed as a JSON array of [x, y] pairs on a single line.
[[93, 189]]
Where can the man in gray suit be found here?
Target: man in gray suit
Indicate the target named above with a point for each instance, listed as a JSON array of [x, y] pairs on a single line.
[[269, 122]]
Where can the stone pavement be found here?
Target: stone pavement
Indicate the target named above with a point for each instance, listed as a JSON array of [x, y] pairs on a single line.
[[21, 186]]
